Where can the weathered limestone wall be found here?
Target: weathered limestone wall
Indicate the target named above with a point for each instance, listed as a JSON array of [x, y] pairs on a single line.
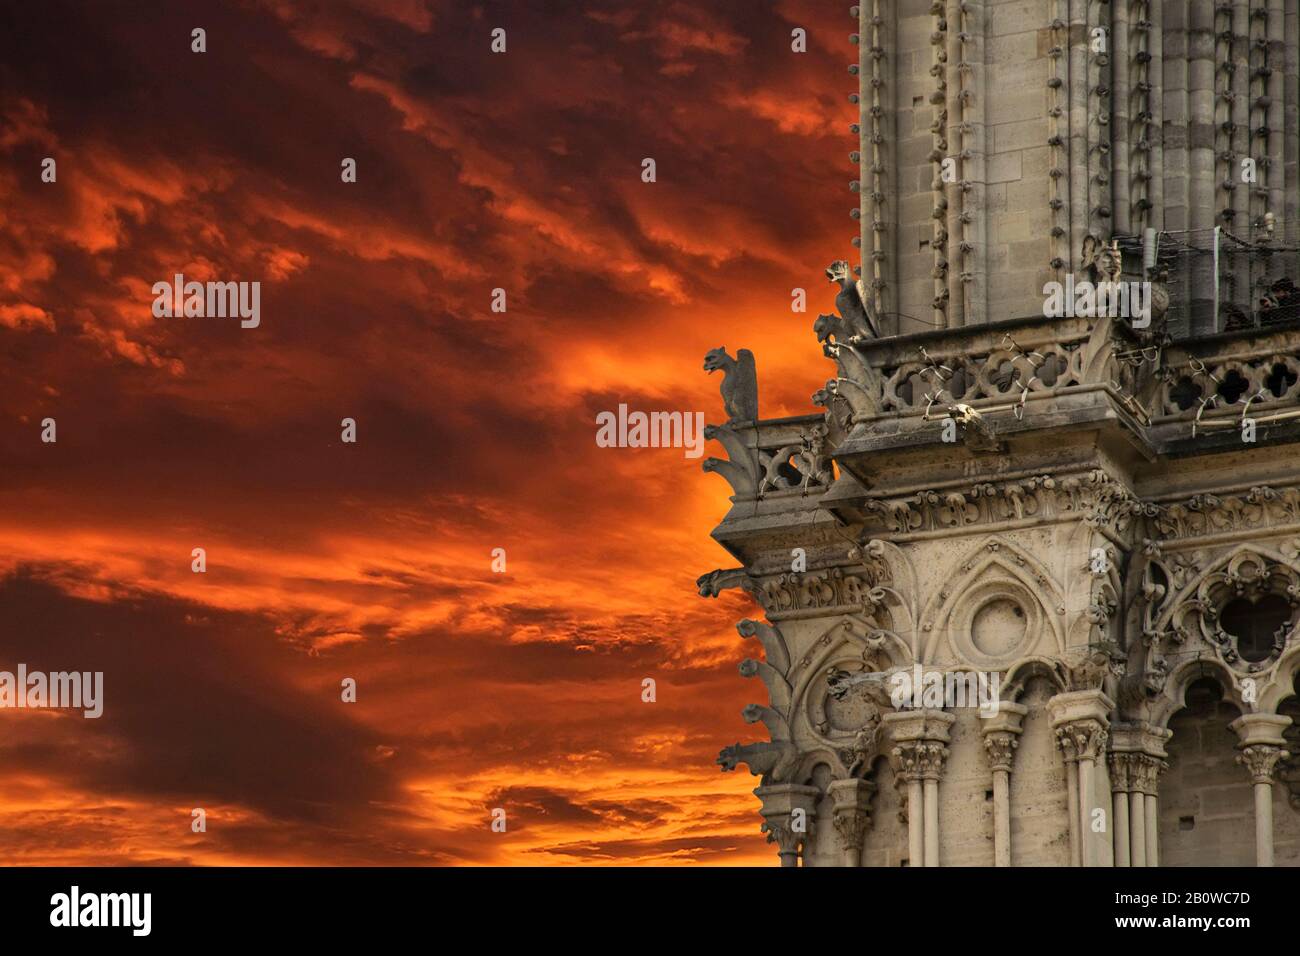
[[1040, 834], [966, 798], [1207, 813], [886, 842]]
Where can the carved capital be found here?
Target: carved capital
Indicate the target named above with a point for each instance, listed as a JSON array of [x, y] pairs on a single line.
[[1080, 723], [1261, 760], [788, 811], [780, 832], [1144, 774], [1002, 734], [1122, 771], [919, 759], [851, 827], [1082, 739], [851, 813], [1001, 747]]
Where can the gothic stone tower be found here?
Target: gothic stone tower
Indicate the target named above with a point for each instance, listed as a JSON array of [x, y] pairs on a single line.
[[1098, 513]]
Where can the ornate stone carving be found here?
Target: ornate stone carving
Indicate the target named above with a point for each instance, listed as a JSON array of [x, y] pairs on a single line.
[[851, 827], [1144, 773], [1081, 739], [829, 591], [1121, 771], [1001, 746], [1092, 671], [1261, 760], [919, 759], [786, 839], [1207, 514], [782, 805], [851, 815], [805, 464], [1247, 574], [1097, 498]]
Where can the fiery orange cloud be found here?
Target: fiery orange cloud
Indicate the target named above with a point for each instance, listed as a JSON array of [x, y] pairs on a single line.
[[373, 560]]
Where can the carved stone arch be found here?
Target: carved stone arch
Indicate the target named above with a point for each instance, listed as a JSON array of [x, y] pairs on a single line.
[[850, 645], [1194, 581], [997, 570], [1173, 698], [1284, 680], [901, 584], [890, 649], [822, 756], [1022, 671]]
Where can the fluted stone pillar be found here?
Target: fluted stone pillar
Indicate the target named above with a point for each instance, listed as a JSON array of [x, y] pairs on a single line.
[[1001, 737], [1261, 748], [920, 748], [1081, 720], [787, 829], [851, 814]]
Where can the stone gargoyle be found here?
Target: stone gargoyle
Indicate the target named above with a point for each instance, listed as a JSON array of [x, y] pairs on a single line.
[[739, 383], [771, 762], [851, 302]]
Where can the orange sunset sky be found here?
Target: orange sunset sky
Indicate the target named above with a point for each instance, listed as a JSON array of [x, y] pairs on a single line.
[[475, 429]]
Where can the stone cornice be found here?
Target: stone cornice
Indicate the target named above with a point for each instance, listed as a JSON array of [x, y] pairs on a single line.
[[1093, 496]]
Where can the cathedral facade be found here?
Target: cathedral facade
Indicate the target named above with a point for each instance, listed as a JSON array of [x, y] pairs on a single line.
[[1055, 463]]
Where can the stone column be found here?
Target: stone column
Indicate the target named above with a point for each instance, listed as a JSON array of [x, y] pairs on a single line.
[[852, 816], [784, 827], [1081, 721], [920, 740], [1261, 749], [1151, 778], [1137, 759], [1137, 816], [1120, 786], [1001, 737]]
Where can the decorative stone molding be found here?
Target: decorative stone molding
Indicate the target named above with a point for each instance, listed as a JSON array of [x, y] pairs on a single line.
[[1136, 748], [920, 742], [1267, 366], [825, 592], [1094, 496], [1260, 732], [1200, 515]]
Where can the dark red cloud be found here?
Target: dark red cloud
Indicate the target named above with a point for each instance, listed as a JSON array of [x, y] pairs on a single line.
[[476, 171]]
